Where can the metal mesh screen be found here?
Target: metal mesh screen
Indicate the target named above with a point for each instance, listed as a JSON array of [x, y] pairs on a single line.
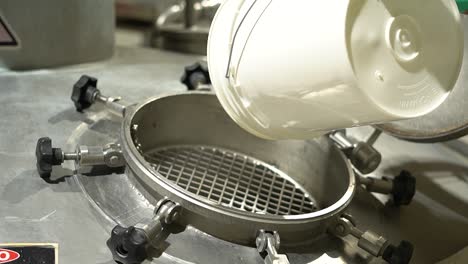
[[231, 179]]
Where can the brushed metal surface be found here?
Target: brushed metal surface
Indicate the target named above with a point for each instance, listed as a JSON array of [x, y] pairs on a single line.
[[37, 103], [116, 199], [198, 118]]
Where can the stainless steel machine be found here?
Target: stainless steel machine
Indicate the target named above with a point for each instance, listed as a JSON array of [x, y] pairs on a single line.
[[325, 213], [183, 153], [172, 179]]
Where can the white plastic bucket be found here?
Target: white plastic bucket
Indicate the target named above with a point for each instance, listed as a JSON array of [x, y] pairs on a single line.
[[297, 69]]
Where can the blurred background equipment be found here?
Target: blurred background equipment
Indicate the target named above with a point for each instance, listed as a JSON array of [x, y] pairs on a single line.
[[178, 25], [52, 33], [184, 27], [141, 10]]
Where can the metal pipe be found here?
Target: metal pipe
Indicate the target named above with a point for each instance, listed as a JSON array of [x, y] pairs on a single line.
[[101, 98], [341, 140], [376, 185], [189, 13], [374, 136], [91, 155], [70, 156], [356, 232], [112, 104]]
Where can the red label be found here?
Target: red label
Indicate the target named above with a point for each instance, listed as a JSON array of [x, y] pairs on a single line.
[[7, 255]]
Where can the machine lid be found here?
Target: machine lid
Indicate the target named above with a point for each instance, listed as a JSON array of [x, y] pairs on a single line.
[[449, 121]]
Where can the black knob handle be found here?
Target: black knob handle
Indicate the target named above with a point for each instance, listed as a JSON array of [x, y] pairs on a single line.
[[194, 75], [128, 245], [400, 254], [47, 156], [84, 92], [404, 188]]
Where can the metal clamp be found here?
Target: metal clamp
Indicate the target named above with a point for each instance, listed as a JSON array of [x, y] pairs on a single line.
[[132, 245], [85, 93], [374, 244], [362, 155], [402, 188], [269, 243], [47, 156], [109, 155]]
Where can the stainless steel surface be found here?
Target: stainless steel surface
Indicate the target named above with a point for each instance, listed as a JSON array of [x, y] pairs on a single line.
[[37, 103], [58, 32], [117, 200], [440, 202], [316, 168], [447, 122], [80, 212]]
